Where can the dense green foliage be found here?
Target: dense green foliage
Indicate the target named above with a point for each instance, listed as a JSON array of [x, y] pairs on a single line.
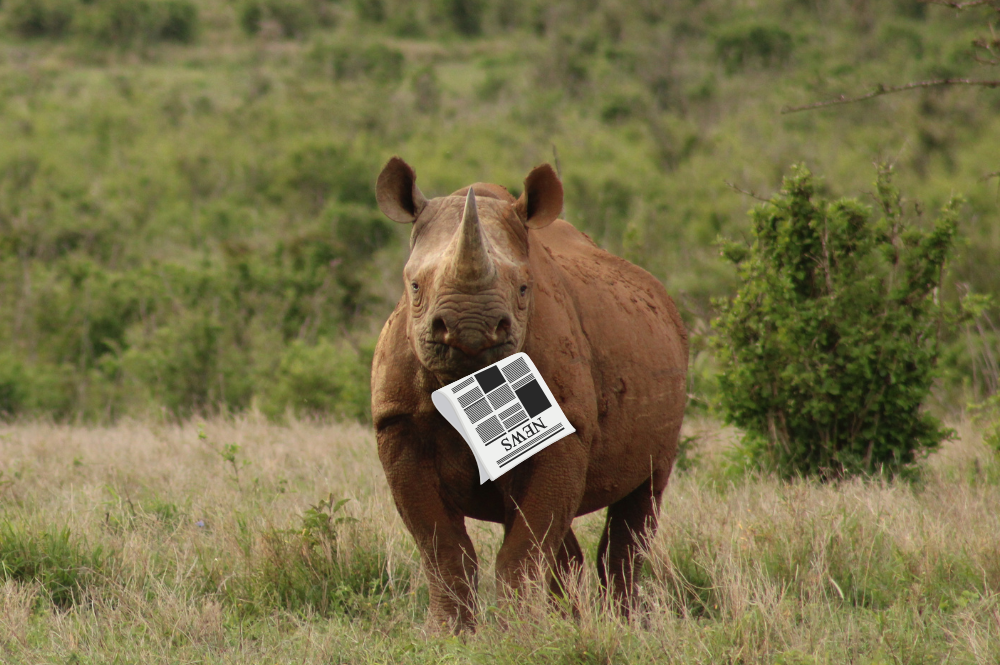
[[123, 23], [829, 348], [187, 218]]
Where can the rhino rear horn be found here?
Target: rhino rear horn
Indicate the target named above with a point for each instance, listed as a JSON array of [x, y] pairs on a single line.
[[397, 193], [542, 200]]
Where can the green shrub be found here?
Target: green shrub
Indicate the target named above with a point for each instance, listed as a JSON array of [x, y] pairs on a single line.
[[324, 378], [320, 171], [35, 389], [295, 18], [324, 566], [375, 62], [12, 386], [743, 45], [370, 10], [829, 347], [178, 22], [986, 415], [183, 365], [127, 23], [465, 16], [59, 563], [40, 18]]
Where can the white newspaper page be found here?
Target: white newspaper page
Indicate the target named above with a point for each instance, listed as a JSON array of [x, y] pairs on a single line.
[[505, 413]]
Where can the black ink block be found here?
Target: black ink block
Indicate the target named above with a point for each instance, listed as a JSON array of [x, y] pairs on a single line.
[[490, 379], [533, 398]]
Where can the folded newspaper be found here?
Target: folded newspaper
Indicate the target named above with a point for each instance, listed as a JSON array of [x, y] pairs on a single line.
[[505, 413]]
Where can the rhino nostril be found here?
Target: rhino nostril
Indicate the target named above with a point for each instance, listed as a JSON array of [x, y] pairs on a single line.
[[439, 329], [503, 325]]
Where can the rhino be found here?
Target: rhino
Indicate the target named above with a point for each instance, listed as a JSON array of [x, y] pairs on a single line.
[[488, 276]]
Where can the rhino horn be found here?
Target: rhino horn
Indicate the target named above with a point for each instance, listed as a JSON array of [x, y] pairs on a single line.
[[471, 264]]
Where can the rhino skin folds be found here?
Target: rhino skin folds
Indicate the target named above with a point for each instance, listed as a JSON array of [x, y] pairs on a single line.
[[489, 276]]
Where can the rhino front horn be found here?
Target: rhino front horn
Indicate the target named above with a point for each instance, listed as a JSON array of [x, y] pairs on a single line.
[[471, 263]]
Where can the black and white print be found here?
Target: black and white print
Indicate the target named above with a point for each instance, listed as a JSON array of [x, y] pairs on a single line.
[[505, 412]]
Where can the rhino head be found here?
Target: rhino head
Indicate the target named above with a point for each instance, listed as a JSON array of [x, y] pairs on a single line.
[[468, 285]]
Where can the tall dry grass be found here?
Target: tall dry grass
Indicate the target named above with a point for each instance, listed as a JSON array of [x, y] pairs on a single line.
[[218, 542]]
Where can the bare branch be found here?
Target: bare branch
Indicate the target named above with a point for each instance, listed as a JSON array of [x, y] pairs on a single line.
[[749, 193], [958, 5], [885, 90]]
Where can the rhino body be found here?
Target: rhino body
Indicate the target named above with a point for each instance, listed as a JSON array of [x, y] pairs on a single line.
[[484, 283]]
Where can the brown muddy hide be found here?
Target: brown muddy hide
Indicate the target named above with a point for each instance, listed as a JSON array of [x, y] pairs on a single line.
[[467, 279]]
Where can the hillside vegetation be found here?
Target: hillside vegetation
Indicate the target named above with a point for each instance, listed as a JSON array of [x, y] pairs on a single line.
[[187, 217]]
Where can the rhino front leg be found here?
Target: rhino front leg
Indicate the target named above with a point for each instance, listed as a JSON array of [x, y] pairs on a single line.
[[452, 569], [446, 552], [541, 499]]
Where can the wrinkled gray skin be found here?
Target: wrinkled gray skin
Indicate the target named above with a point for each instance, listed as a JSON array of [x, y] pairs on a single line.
[[489, 276]]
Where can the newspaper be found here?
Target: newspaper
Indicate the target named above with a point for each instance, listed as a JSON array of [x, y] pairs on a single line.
[[505, 413]]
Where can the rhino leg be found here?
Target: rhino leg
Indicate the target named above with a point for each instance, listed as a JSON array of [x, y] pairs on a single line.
[[630, 523], [539, 514], [450, 563], [569, 564], [446, 551]]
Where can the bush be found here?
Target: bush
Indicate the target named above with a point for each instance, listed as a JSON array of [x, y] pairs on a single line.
[[765, 45], [325, 566], [40, 18], [294, 17], [64, 567], [829, 348], [186, 366], [986, 415], [34, 389], [126, 23], [324, 378], [319, 171], [465, 16], [178, 22], [375, 62], [370, 10], [12, 386]]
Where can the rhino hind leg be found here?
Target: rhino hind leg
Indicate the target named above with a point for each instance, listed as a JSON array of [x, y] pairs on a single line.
[[568, 565], [630, 523]]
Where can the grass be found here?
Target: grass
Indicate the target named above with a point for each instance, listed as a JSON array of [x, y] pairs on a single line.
[[239, 541]]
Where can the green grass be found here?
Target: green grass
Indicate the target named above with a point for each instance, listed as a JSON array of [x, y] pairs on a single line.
[[152, 550]]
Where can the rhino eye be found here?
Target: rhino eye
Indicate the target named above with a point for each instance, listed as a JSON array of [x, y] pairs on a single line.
[[414, 286], [524, 289]]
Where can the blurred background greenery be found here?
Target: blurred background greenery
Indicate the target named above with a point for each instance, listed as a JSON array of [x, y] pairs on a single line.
[[187, 215]]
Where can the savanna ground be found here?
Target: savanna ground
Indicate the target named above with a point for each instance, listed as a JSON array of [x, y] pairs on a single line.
[[227, 542]]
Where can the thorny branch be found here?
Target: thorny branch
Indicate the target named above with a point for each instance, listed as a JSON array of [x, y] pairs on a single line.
[[987, 53], [748, 192], [884, 90], [958, 5]]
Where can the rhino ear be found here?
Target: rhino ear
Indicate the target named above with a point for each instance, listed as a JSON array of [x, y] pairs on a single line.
[[397, 193], [542, 199]]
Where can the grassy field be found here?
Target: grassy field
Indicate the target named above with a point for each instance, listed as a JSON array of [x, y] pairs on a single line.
[[226, 542]]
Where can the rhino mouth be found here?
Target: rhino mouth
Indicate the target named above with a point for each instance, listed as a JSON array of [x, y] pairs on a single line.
[[453, 360]]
